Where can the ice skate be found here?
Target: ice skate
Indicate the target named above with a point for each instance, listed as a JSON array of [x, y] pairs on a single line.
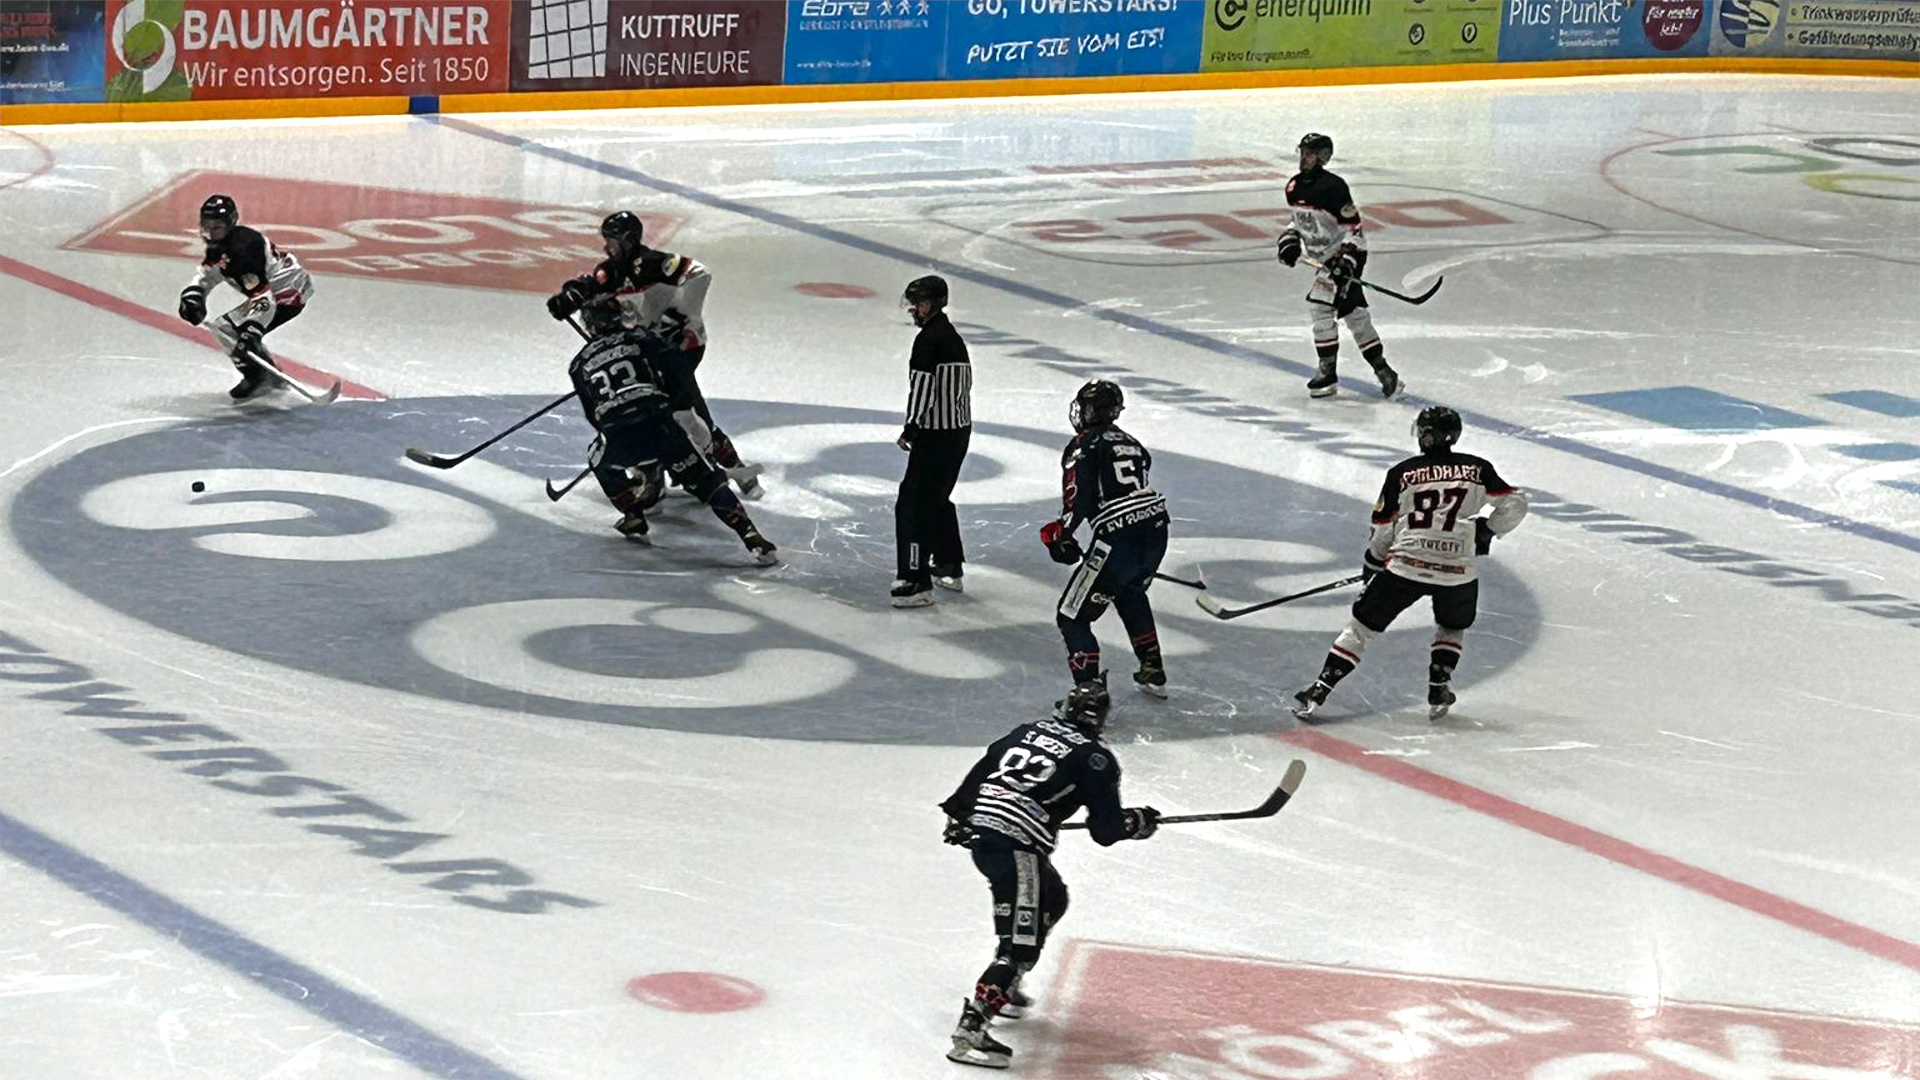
[[973, 1045], [1309, 700]]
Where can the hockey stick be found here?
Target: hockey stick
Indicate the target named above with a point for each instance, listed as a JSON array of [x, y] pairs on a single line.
[[556, 494], [1289, 783], [441, 461], [1199, 580], [1421, 299], [1220, 611], [327, 397]]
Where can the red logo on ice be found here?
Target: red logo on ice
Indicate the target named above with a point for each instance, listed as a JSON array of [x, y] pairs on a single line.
[[336, 229], [1183, 1016]]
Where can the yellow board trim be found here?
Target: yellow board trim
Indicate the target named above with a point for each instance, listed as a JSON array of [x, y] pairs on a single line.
[[264, 109]]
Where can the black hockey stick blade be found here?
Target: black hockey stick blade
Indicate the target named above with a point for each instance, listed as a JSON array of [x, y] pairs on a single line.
[[1289, 783], [1199, 580], [556, 494], [1421, 299], [1220, 611], [434, 461]]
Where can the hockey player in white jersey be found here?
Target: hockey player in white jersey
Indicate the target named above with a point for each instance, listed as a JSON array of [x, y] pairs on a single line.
[[1326, 228], [1427, 531], [275, 285]]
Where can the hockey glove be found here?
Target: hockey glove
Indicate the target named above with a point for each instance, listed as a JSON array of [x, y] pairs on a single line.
[[1370, 564], [193, 305], [958, 833], [671, 325], [1343, 267], [1483, 535], [1142, 822], [1290, 248], [1061, 547], [571, 298], [250, 345]]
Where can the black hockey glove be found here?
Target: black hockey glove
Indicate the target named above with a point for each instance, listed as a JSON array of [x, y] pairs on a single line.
[[1483, 535], [1290, 248], [1342, 267], [1061, 547], [958, 833], [571, 298], [193, 305], [251, 344], [671, 325], [1370, 565], [1142, 822]]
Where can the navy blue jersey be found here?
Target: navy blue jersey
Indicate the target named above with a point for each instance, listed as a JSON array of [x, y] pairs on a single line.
[[631, 376], [1037, 777], [1105, 481]]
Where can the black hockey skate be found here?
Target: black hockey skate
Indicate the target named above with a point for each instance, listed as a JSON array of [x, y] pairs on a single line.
[[633, 526], [1152, 678], [1390, 385], [912, 594], [763, 550], [1439, 699], [1309, 700], [950, 578], [254, 381], [1325, 381], [972, 1045], [1017, 1003]]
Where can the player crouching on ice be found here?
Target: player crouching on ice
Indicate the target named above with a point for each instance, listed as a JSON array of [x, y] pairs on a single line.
[[637, 391], [1104, 482], [276, 286], [1008, 811], [1426, 533]]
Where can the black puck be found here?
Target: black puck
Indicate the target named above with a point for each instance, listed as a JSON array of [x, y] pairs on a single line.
[[199, 486]]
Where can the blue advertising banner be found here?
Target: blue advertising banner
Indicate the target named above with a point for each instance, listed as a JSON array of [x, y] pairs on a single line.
[[856, 41], [1021, 39], [1603, 29], [52, 50], [843, 41]]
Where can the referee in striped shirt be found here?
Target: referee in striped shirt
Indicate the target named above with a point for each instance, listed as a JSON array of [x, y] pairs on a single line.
[[939, 424]]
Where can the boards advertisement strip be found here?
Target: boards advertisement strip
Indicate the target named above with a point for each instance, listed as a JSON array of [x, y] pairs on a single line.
[[1603, 29], [647, 44], [1266, 35], [52, 50], [201, 50], [1834, 29]]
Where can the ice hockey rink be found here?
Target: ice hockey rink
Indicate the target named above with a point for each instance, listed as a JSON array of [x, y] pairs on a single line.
[[349, 768]]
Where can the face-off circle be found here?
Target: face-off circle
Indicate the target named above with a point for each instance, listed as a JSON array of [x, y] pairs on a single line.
[[318, 547]]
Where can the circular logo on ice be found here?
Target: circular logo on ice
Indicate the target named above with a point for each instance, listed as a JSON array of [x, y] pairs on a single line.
[[1747, 24], [316, 546]]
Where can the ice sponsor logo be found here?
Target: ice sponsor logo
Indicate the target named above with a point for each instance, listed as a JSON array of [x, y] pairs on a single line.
[[1240, 1018], [356, 230], [316, 547]]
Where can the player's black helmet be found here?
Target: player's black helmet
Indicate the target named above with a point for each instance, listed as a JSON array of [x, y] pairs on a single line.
[[1436, 428], [1086, 706], [1315, 143], [218, 210], [603, 315], [623, 234], [1098, 402], [932, 287]]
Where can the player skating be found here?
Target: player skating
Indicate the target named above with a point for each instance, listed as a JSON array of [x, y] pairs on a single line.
[[638, 394], [1427, 530], [1326, 228], [1008, 811], [275, 285], [1105, 483], [666, 294]]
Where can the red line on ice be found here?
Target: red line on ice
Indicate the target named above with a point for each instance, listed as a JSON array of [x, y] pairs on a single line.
[[1613, 849], [127, 309]]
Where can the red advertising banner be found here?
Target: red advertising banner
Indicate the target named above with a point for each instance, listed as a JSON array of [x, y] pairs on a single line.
[[644, 44], [198, 50], [433, 237], [1237, 1018]]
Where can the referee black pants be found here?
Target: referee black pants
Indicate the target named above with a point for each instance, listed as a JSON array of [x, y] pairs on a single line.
[[926, 527]]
